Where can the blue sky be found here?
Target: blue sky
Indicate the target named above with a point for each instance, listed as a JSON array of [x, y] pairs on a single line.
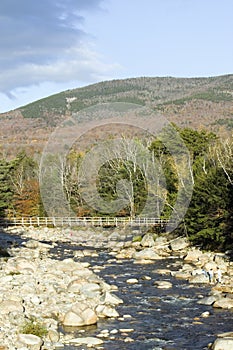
[[55, 45]]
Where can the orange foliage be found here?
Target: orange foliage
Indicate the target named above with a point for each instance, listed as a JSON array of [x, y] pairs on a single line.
[[28, 202]]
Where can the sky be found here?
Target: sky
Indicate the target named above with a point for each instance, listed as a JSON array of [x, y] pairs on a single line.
[[48, 46]]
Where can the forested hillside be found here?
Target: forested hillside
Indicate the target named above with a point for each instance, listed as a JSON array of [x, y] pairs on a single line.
[[188, 102]]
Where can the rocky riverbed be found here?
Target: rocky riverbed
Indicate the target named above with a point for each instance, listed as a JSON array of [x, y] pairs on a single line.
[[39, 287]]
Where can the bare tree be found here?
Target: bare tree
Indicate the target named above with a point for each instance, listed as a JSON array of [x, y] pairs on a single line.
[[223, 153]]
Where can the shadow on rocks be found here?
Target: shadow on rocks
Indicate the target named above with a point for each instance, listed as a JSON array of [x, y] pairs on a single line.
[[9, 240]]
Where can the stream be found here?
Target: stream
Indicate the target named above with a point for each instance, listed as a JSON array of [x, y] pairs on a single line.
[[161, 319]]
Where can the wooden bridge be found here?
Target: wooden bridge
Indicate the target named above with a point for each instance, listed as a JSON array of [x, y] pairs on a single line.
[[82, 221]]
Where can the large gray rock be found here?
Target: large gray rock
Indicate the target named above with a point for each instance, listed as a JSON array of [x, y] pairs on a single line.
[[84, 287], [126, 253], [110, 299], [53, 336], [163, 284], [80, 315], [220, 258], [224, 303], [147, 241], [30, 341], [68, 265], [161, 242], [7, 306], [72, 319], [223, 344], [193, 255], [179, 244], [181, 274], [106, 311], [147, 253], [90, 341], [199, 279], [207, 301]]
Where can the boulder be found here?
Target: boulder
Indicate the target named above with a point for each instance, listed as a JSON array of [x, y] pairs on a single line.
[[144, 261], [67, 265], [72, 319], [111, 299], [223, 344], [90, 341], [90, 289], [225, 335], [147, 253], [220, 258], [163, 284], [205, 314], [53, 335], [199, 279], [163, 271], [106, 311], [84, 287], [126, 253], [179, 244], [207, 301], [181, 274], [132, 280], [80, 315], [193, 255], [147, 241], [7, 306], [223, 288], [30, 341], [224, 303], [210, 265], [32, 244], [161, 242]]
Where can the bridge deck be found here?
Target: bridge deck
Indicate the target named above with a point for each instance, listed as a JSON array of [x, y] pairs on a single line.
[[82, 221]]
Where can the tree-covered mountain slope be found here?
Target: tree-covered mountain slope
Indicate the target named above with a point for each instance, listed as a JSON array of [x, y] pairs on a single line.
[[189, 102]]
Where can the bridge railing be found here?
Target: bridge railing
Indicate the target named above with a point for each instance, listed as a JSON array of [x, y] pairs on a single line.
[[82, 221]]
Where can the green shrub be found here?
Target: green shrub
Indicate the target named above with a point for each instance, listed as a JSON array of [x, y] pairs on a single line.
[[137, 238], [12, 273], [33, 326]]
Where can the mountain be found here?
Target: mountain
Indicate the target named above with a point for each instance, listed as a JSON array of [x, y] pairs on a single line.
[[189, 102]]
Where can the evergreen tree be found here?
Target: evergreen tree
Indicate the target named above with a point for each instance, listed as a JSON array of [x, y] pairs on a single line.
[[5, 187], [207, 212]]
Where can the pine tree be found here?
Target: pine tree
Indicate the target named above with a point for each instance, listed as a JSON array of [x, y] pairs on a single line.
[[209, 217], [5, 187]]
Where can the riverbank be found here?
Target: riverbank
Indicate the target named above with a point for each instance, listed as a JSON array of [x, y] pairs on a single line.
[[69, 293]]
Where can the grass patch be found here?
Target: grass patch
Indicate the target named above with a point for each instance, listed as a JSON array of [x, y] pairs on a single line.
[[137, 238], [12, 273], [35, 327]]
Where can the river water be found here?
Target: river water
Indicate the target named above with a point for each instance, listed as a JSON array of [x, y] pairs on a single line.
[[161, 319]]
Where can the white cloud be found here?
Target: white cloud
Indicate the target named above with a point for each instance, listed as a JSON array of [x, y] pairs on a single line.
[[30, 81], [45, 42], [80, 64]]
